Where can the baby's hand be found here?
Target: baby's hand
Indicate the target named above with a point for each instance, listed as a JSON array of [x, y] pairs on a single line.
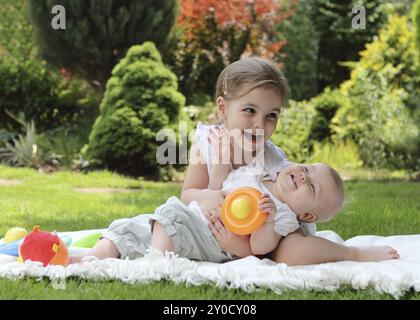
[[265, 204], [219, 140]]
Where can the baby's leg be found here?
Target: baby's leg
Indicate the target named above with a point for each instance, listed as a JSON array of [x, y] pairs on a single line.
[[105, 248], [160, 240], [297, 249]]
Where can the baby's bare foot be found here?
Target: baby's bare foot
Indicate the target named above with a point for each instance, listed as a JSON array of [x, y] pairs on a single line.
[[375, 253]]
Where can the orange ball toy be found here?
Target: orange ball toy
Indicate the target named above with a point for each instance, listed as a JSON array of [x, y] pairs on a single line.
[[240, 213]]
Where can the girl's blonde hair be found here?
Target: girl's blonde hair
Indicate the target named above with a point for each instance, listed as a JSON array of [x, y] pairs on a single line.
[[246, 74]]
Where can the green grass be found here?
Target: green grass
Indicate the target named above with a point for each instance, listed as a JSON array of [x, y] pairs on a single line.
[[380, 206]]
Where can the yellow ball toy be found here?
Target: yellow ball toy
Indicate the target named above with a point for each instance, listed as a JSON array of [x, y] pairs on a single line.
[[15, 234], [240, 213]]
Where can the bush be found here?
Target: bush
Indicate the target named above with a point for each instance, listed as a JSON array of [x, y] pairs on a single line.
[[25, 149], [341, 154], [294, 129], [378, 121], [384, 91], [326, 105], [15, 30], [141, 98], [41, 93], [98, 33]]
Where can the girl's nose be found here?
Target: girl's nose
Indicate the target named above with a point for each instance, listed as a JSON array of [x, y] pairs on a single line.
[[258, 123]]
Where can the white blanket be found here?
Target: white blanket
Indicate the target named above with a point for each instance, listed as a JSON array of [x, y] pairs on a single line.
[[394, 276]]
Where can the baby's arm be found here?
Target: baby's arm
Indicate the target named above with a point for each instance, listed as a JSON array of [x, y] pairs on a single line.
[[265, 239]]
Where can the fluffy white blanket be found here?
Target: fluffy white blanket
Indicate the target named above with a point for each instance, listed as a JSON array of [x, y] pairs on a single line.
[[394, 277]]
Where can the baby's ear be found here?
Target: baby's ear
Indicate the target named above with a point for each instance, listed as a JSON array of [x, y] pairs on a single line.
[[307, 217]]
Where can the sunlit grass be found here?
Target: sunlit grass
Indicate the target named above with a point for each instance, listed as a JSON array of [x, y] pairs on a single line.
[[383, 205]]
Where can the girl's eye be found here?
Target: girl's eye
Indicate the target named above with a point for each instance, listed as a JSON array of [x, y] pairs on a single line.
[[249, 110], [313, 188], [272, 115], [306, 169]]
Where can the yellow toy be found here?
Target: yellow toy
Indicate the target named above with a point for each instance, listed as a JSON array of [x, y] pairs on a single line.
[[14, 234], [240, 213]]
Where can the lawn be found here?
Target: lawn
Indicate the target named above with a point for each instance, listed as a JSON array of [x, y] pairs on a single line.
[[378, 205]]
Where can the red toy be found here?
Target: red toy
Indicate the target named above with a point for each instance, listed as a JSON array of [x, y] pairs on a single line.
[[44, 247]]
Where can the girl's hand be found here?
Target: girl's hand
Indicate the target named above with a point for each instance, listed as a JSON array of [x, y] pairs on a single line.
[[222, 235], [228, 241], [265, 204], [211, 202], [219, 140]]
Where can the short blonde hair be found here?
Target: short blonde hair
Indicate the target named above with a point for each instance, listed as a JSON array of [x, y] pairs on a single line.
[[340, 192], [247, 74]]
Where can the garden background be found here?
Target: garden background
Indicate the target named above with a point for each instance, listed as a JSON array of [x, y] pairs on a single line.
[[80, 109]]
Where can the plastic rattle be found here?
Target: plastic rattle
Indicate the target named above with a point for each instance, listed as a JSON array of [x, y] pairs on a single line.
[[240, 213]]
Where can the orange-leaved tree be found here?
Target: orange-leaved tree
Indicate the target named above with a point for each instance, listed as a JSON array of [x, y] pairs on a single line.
[[213, 33]]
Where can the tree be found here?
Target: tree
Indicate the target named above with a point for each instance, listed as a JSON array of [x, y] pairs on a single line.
[[338, 40], [98, 33], [384, 91], [212, 33], [300, 53], [141, 98]]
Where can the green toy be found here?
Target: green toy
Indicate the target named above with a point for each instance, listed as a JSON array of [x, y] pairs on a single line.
[[88, 241]]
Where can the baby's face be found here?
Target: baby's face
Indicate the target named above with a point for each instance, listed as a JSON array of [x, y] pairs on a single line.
[[308, 189]]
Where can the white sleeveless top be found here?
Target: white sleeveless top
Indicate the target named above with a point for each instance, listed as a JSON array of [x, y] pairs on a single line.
[[274, 160]]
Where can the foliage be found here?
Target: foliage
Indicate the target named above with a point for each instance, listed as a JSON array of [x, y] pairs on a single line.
[[98, 33], [300, 52], [141, 98], [384, 90], [28, 84], [326, 105], [41, 93], [338, 154], [416, 22], [338, 41], [294, 129], [211, 34], [15, 30], [23, 150]]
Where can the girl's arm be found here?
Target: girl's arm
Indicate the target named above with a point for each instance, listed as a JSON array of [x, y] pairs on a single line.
[[195, 189]]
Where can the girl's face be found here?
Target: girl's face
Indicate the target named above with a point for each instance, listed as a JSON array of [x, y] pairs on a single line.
[[252, 116]]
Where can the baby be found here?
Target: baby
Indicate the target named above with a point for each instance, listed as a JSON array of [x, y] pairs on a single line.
[[298, 195], [294, 195]]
